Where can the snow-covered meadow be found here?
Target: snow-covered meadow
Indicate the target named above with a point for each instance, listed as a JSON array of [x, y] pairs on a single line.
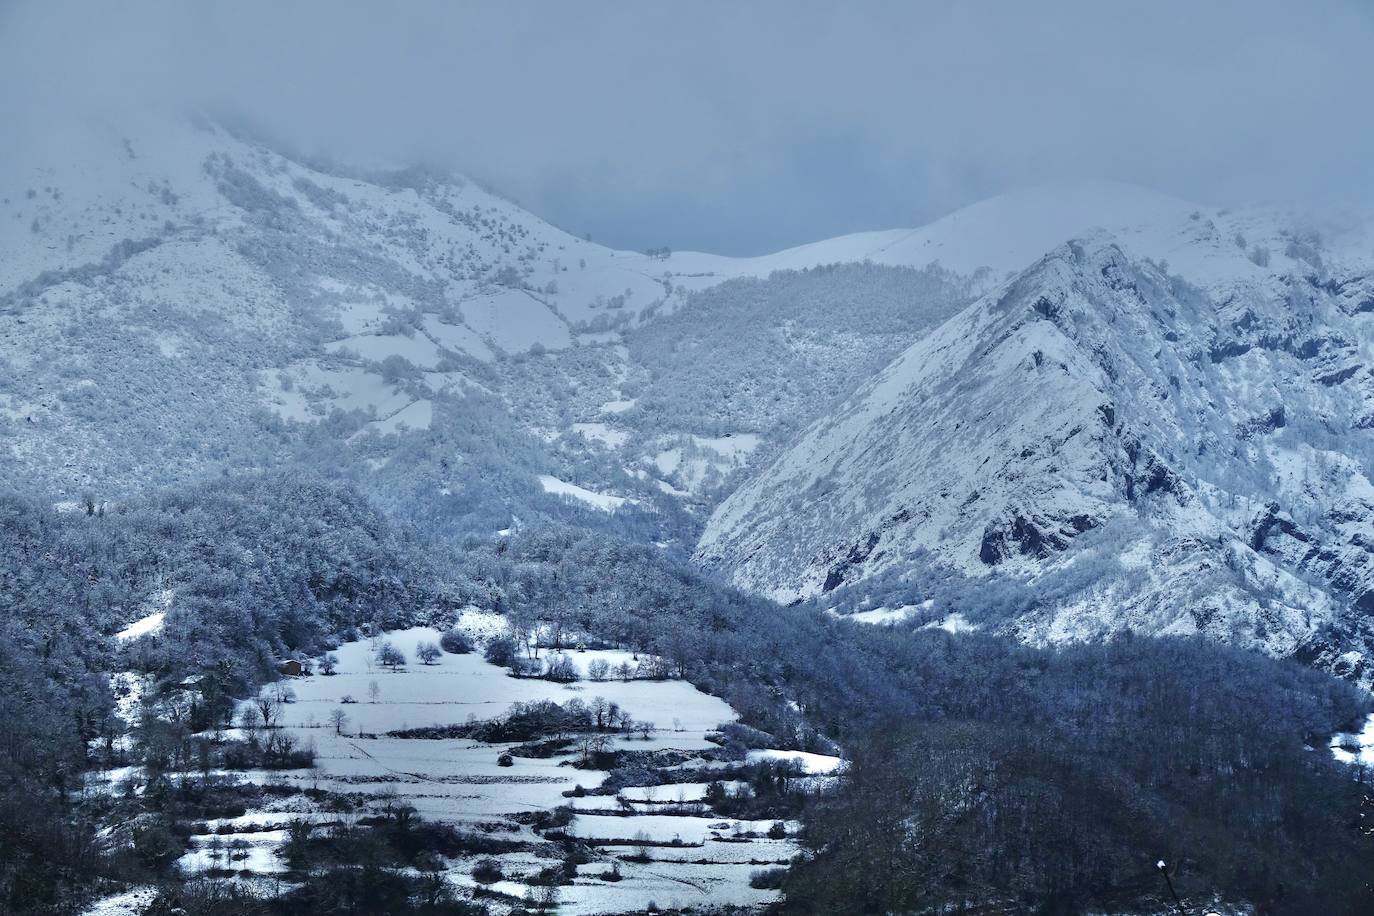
[[1356, 748], [651, 843]]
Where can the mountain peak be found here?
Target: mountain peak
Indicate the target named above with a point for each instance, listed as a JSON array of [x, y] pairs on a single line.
[[1089, 400]]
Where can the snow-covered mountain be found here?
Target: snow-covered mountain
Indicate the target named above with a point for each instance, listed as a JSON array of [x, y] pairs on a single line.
[[177, 299], [1194, 436], [1132, 410], [173, 296]]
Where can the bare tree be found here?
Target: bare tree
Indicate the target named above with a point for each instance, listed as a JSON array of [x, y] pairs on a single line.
[[250, 720], [268, 706], [338, 718], [388, 656]]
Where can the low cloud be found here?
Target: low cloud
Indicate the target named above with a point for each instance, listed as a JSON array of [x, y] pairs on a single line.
[[745, 127]]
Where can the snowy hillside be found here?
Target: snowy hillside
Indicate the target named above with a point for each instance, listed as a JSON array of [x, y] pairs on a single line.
[[1207, 446], [177, 301]]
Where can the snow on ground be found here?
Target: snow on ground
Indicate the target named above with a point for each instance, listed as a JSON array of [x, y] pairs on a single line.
[[813, 764], [674, 793], [255, 852], [144, 626], [418, 349], [514, 320], [483, 626], [356, 317], [154, 614], [619, 406], [128, 689], [457, 337], [461, 781], [459, 686], [310, 390], [129, 903], [669, 885], [724, 850], [614, 658], [882, 616], [734, 447], [689, 465], [12, 408], [667, 828], [600, 432], [1355, 748], [602, 501], [886, 616], [954, 623], [414, 416]]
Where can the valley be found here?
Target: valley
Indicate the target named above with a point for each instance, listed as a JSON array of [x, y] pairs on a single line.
[[561, 826], [369, 544]]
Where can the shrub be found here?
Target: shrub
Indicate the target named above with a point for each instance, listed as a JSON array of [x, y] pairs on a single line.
[[525, 667], [388, 656], [455, 643], [505, 760], [487, 871], [562, 669], [156, 846], [767, 878], [501, 651]]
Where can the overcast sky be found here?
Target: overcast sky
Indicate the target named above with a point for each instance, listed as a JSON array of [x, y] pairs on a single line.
[[743, 127]]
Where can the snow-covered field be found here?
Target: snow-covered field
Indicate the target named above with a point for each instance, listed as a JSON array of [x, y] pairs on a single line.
[[126, 903], [695, 857], [812, 764], [590, 497], [1356, 748]]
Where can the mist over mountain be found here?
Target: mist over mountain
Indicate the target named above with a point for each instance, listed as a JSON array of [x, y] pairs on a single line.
[[376, 538]]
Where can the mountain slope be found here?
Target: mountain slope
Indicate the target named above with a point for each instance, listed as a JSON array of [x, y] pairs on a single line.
[[1215, 441], [177, 299]]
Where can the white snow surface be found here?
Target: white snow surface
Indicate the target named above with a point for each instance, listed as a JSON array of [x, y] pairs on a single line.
[[603, 501], [127, 903], [812, 764], [1356, 748], [1091, 400], [144, 626]]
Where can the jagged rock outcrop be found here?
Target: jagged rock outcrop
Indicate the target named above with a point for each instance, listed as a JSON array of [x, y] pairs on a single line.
[[1099, 391]]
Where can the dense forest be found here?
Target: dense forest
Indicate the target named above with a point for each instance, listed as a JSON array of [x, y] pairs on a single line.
[[982, 769]]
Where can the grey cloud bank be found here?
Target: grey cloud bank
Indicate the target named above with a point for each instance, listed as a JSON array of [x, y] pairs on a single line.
[[742, 128]]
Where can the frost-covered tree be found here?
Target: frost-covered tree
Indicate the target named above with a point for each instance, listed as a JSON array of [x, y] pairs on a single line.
[[388, 656]]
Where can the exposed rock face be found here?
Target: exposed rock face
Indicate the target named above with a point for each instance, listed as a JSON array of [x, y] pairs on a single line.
[[1097, 391]]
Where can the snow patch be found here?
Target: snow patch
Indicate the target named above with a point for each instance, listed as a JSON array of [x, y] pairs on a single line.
[[812, 764], [144, 626], [601, 501]]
